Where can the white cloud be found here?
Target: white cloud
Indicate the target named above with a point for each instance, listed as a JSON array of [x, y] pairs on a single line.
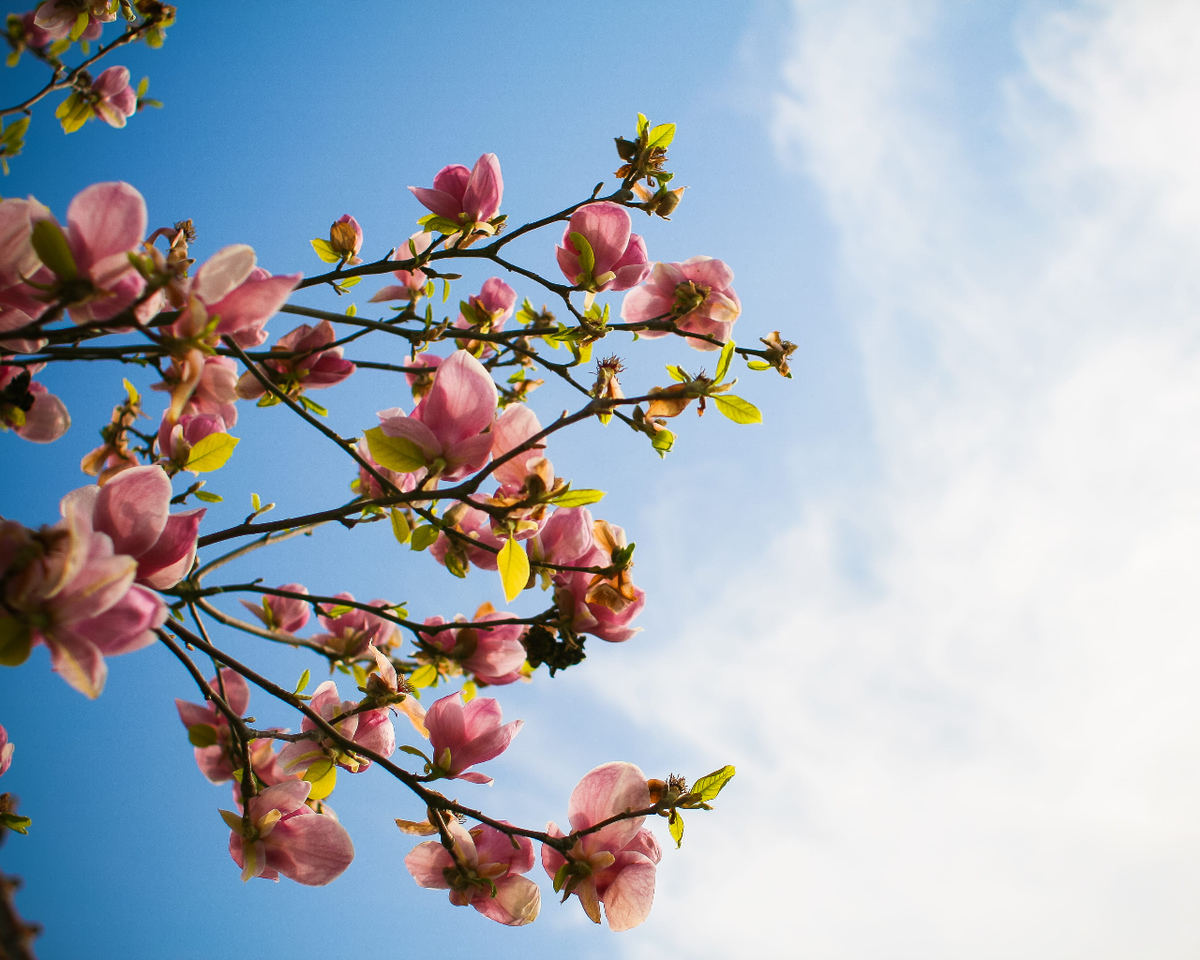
[[980, 737]]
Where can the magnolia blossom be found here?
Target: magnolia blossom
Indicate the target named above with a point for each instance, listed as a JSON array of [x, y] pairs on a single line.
[[447, 429], [306, 361], [484, 871], [464, 735], [6, 752], [281, 834], [618, 255], [133, 509], [219, 759], [66, 587], [486, 313], [464, 196], [492, 655], [28, 408], [115, 99], [19, 302], [350, 633], [57, 17], [370, 729], [412, 282], [615, 865], [105, 223], [176, 439], [282, 614], [346, 239], [696, 295]]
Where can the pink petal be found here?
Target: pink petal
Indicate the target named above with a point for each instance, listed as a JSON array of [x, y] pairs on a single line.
[[462, 401], [607, 227], [628, 899], [132, 508], [485, 187], [226, 269], [310, 849], [104, 219]]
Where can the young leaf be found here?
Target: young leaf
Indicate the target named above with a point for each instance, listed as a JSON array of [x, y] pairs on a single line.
[[709, 786], [663, 441], [578, 498], [395, 453], [677, 373], [675, 825], [737, 409], [51, 245], [587, 258], [304, 678], [661, 135], [324, 250], [723, 363], [400, 527], [210, 453], [425, 676], [758, 365], [424, 536], [202, 735], [513, 565], [323, 777]]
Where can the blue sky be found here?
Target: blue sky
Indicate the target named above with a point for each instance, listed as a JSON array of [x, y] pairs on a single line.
[[937, 608]]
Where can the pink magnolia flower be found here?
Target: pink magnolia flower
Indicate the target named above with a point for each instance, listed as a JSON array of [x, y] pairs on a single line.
[[697, 295], [57, 17], [105, 223], [448, 427], [64, 586], [282, 614], [366, 485], [211, 386], [484, 871], [514, 427], [284, 835], [618, 255], [412, 282], [133, 509], [486, 313], [6, 753], [242, 295], [28, 408], [116, 100], [370, 729], [346, 239], [464, 735], [492, 655], [349, 634], [175, 440], [218, 760], [314, 363], [19, 302], [615, 865], [475, 525], [465, 197]]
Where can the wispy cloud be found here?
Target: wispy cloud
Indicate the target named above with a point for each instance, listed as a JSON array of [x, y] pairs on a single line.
[[971, 729]]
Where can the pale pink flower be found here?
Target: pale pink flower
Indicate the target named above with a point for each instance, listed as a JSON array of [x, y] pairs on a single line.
[[316, 364], [513, 428], [57, 17], [486, 313], [116, 98], [218, 760], [64, 586], [282, 614], [369, 487], [449, 425], [28, 408], [133, 509], [619, 254], [464, 196], [6, 753], [19, 302], [492, 655], [476, 526], [211, 386], [412, 282], [370, 729], [175, 440], [349, 633], [615, 865], [484, 871], [697, 295], [346, 238], [462, 736], [286, 836], [105, 223]]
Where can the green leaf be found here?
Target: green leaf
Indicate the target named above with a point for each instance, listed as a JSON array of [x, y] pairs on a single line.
[[723, 363], [578, 498], [425, 676], [400, 526], [424, 536], [16, 640], [13, 822], [737, 409], [513, 564], [52, 248], [395, 453], [349, 282], [255, 502], [661, 135], [675, 825], [142, 87], [677, 373], [587, 257], [202, 735], [323, 777], [324, 250], [758, 365], [709, 786], [233, 820], [210, 453], [304, 678], [205, 497]]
